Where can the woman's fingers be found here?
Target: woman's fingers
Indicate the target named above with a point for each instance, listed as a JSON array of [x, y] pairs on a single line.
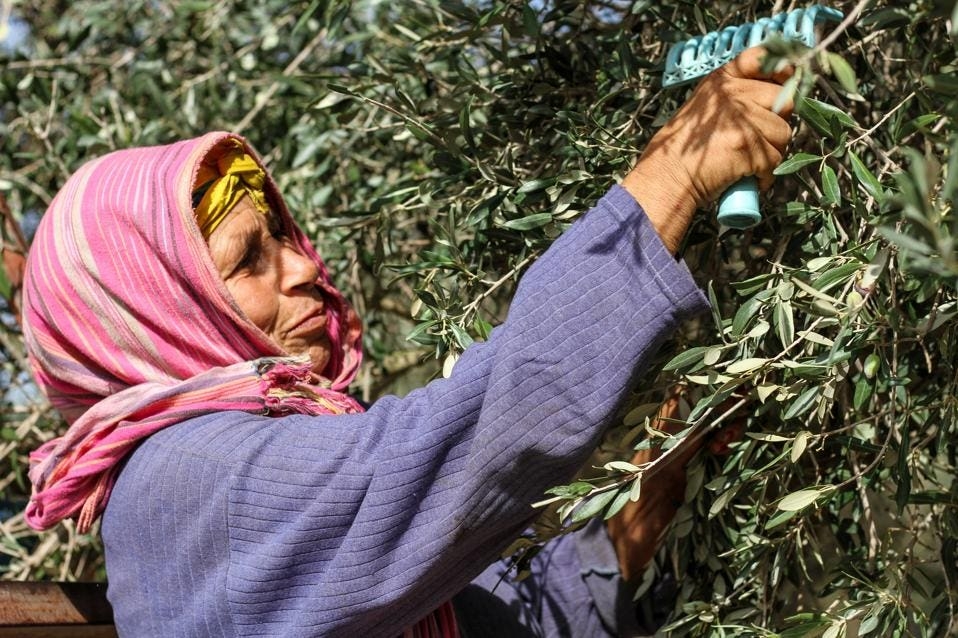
[[744, 124], [732, 126], [766, 95], [748, 65], [771, 136]]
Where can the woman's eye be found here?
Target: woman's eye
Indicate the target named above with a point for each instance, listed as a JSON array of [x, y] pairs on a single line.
[[250, 258]]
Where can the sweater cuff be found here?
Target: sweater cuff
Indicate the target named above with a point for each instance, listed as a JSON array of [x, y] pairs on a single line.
[[671, 274]]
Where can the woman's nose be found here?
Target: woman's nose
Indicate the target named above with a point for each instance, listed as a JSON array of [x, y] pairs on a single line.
[[298, 269]]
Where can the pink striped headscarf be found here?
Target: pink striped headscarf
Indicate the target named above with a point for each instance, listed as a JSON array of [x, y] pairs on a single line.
[[130, 329]]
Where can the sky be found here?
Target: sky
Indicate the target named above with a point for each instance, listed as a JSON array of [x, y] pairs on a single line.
[[13, 31]]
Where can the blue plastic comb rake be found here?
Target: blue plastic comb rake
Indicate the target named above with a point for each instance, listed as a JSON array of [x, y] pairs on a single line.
[[693, 58]]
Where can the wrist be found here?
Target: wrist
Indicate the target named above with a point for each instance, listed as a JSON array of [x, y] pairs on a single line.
[[663, 190]]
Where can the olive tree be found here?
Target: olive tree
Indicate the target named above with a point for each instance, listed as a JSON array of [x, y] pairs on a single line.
[[433, 150]]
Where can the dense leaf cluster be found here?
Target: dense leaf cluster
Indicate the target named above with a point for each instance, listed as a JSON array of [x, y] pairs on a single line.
[[434, 149]]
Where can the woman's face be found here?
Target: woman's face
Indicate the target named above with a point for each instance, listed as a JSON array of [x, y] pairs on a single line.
[[273, 284]]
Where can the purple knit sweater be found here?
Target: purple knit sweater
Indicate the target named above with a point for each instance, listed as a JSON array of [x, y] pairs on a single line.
[[358, 525]]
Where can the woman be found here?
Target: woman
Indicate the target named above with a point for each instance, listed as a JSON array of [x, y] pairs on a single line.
[[187, 330]]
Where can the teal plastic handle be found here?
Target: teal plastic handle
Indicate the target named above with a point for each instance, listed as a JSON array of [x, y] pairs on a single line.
[[738, 206]]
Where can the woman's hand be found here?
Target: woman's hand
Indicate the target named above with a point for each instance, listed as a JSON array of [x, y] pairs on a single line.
[[638, 529], [727, 130]]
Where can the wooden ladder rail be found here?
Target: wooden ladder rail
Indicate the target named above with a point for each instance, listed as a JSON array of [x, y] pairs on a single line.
[[55, 610]]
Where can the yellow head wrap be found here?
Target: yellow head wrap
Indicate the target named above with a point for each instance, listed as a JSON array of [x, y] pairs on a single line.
[[223, 184]]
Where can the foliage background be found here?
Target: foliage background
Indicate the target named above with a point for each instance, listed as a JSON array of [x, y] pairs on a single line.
[[434, 149]]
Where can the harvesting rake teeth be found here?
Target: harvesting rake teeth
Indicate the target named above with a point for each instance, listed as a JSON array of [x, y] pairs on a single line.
[[698, 56], [691, 59]]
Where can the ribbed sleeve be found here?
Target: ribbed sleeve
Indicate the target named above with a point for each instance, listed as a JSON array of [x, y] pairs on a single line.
[[359, 525]]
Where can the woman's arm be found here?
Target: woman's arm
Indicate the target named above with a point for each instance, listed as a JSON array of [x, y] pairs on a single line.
[[416, 496]]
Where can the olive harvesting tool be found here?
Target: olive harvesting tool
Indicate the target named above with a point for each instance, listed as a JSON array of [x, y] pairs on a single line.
[[691, 59]]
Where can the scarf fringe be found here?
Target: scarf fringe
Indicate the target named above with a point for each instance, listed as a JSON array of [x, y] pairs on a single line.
[[287, 388]]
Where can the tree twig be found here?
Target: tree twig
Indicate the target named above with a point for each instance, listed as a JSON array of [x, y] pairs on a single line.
[[263, 98]]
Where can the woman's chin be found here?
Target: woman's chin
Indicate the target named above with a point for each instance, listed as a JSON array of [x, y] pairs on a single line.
[[319, 357], [317, 349]]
